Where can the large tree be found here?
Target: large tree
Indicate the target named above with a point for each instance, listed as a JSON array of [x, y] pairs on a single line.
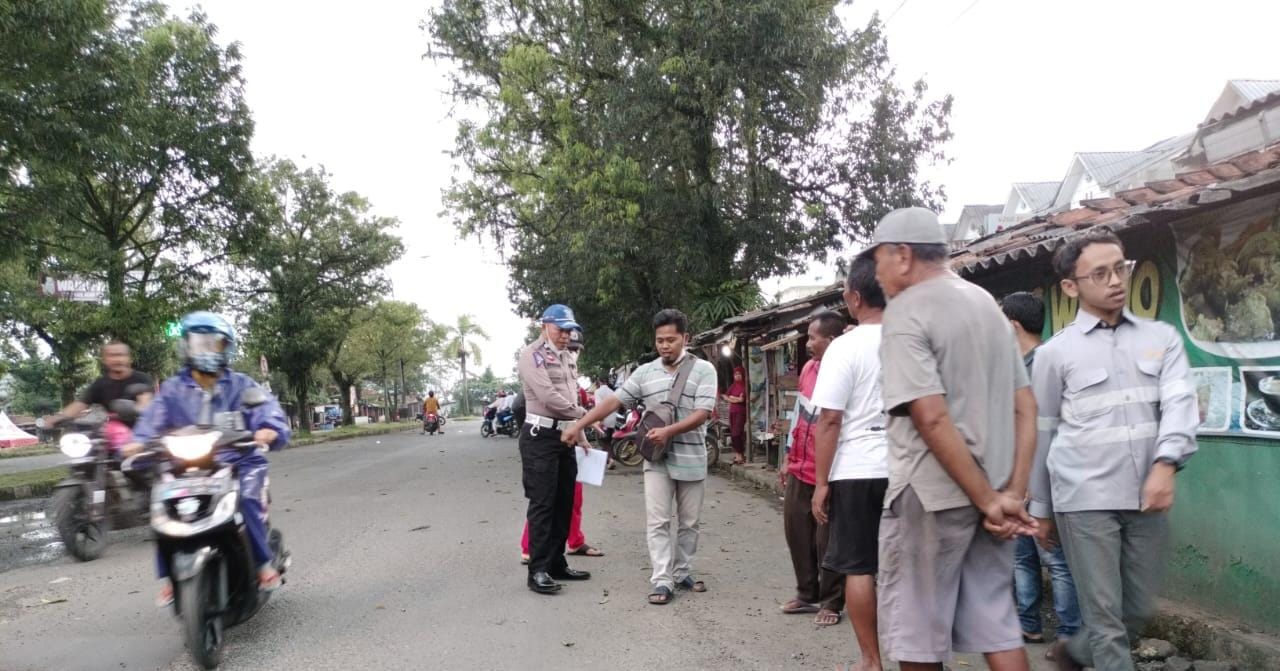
[[311, 257], [638, 155], [124, 150]]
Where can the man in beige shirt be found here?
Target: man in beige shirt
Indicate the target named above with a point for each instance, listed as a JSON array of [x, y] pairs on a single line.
[[550, 468], [961, 437]]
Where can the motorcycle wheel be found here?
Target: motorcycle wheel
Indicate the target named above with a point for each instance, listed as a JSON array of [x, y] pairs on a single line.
[[84, 539], [627, 452], [486, 430], [203, 628], [713, 451]]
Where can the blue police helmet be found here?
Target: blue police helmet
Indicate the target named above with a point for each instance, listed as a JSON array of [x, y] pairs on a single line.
[[198, 326], [561, 316]]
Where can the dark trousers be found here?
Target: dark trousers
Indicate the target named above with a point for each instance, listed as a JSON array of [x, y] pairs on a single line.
[[808, 543], [550, 471]]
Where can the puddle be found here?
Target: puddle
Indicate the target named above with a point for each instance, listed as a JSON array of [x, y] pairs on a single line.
[[27, 536]]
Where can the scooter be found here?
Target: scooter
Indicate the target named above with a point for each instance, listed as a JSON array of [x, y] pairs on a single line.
[[626, 450], [201, 535], [492, 425], [99, 493], [431, 424]]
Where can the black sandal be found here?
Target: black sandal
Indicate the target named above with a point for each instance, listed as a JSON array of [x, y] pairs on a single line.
[[661, 596], [692, 585]]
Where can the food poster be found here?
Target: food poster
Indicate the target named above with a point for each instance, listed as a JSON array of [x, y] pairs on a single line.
[[1216, 278]]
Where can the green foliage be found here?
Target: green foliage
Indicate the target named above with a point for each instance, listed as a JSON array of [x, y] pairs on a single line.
[[124, 148], [462, 344], [311, 259], [35, 380], [641, 155]]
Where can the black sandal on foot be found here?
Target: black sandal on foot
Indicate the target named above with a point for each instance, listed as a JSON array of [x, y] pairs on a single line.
[[661, 596], [692, 585]]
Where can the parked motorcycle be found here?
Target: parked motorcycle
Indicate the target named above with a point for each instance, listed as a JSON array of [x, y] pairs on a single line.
[[626, 450], [202, 537], [431, 424], [99, 493]]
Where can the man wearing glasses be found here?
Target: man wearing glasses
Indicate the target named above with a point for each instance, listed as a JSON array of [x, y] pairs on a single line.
[[1117, 419]]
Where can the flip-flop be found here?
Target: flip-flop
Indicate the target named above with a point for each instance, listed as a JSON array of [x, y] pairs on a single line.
[[524, 559], [586, 551], [798, 607], [164, 599], [692, 585], [818, 618], [271, 585], [660, 596]]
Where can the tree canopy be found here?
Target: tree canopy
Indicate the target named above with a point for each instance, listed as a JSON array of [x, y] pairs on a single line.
[[633, 156]]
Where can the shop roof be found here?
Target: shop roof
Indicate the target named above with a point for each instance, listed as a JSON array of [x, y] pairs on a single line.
[[774, 319], [1164, 200]]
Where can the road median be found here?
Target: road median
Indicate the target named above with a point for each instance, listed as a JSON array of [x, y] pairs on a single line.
[[40, 482]]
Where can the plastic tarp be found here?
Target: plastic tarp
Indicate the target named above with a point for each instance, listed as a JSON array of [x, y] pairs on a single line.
[[12, 436]]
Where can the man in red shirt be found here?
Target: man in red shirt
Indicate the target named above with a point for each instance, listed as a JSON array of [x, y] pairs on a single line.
[[817, 590]]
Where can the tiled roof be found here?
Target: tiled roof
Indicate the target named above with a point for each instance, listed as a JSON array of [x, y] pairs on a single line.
[[1220, 183], [778, 318], [1253, 89], [1038, 195], [1255, 105]]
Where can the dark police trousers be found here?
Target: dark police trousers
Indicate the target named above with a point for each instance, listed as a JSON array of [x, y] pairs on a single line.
[[550, 471]]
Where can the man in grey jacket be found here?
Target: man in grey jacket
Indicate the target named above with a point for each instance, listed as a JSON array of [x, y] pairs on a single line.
[[1117, 419]]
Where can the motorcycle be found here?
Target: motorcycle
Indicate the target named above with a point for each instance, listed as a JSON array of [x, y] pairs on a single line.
[[493, 426], [431, 424], [626, 450], [99, 493], [201, 535]]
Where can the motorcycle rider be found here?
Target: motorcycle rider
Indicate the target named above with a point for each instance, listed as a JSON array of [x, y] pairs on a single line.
[[430, 406], [119, 381], [208, 342], [502, 407]]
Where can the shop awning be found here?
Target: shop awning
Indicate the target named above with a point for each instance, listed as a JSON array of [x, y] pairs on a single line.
[[782, 341]]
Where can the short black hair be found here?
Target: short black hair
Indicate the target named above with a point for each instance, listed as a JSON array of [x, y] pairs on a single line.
[[1068, 255], [929, 252], [671, 317], [862, 279], [830, 323], [1023, 307]]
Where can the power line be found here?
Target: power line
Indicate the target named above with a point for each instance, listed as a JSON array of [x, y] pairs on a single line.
[[966, 11], [895, 12]]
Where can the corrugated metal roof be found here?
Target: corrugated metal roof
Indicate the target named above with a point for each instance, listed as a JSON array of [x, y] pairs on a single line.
[[1234, 179], [1254, 89], [1038, 195], [1108, 167]]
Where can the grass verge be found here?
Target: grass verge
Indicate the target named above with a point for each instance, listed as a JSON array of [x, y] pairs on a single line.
[[28, 451], [37, 483], [30, 484]]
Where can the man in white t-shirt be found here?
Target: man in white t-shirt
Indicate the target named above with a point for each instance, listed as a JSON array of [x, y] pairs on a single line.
[[852, 455]]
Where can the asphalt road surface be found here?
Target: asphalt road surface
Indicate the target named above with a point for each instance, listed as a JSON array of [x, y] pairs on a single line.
[[406, 556]]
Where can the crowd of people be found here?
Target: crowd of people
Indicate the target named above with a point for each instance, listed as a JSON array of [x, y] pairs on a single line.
[[940, 456]]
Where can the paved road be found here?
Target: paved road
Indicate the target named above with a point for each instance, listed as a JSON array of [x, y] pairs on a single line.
[[406, 554], [34, 463]]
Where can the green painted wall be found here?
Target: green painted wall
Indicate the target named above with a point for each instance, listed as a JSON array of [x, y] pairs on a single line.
[[1226, 531]]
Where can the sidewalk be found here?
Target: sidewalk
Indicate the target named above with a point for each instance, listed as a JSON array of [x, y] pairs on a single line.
[[1195, 633]]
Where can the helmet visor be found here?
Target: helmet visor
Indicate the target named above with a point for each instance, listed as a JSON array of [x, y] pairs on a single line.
[[206, 343]]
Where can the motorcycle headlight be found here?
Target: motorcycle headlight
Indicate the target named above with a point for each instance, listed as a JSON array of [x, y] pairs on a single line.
[[190, 448], [75, 445]]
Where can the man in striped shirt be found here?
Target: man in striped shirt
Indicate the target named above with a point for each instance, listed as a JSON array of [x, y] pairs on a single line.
[[1117, 418], [681, 475]]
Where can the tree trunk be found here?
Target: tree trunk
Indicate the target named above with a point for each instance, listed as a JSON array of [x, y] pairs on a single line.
[[344, 399], [466, 389], [301, 391]]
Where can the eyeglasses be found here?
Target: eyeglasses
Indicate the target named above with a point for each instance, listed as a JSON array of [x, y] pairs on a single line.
[[1101, 276]]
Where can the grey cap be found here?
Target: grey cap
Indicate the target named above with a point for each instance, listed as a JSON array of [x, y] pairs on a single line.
[[907, 225]]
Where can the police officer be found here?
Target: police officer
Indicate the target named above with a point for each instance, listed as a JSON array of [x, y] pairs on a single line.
[[550, 468]]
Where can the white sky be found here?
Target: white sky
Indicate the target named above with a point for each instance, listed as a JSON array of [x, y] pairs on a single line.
[[343, 84]]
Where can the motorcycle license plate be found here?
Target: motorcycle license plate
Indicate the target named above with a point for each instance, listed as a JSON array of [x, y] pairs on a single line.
[[191, 487]]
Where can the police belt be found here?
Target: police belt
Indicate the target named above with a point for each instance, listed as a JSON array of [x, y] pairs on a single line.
[[546, 422]]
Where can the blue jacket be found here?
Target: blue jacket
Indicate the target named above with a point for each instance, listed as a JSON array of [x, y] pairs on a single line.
[[181, 399]]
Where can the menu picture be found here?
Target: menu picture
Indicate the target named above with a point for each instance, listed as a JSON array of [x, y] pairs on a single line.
[[1260, 411], [1213, 392]]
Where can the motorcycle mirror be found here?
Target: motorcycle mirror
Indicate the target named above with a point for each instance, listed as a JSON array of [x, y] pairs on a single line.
[[125, 410], [253, 397]]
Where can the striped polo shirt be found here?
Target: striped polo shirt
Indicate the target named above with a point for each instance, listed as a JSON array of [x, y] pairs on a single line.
[[650, 384]]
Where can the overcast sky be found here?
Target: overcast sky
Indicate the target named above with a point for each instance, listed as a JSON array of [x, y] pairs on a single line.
[[344, 84]]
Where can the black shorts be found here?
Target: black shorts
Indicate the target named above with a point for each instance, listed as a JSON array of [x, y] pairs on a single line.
[[854, 508]]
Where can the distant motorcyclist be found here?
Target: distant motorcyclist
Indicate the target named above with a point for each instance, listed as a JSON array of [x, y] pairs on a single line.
[[204, 389], [430, 406]]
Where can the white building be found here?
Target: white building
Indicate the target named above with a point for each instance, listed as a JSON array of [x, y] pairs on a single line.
[[1245, 118]]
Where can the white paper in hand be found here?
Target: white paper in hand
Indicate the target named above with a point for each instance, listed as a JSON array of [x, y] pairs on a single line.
[[591, 465]]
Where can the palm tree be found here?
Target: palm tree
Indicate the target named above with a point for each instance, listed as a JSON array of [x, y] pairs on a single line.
[[462, 346]]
